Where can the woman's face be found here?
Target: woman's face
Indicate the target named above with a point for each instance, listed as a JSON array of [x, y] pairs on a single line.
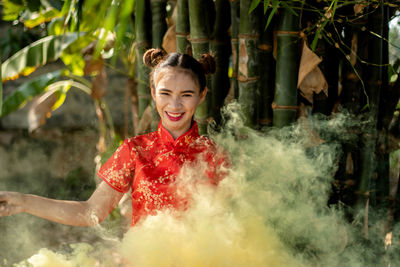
[[176, 95]]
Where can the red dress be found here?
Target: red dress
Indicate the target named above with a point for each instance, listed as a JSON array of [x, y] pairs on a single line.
[[149, 164]]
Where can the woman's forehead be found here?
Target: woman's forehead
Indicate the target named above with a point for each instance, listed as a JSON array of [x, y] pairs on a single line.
[[173, 75]]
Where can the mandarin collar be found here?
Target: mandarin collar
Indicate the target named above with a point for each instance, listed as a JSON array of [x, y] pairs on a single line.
[[184, 140]]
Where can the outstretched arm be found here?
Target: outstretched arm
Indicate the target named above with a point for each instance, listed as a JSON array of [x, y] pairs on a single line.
[[78, 213]]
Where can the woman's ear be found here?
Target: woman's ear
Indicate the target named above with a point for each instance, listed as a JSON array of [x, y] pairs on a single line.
[[153, 92], [203, 95]]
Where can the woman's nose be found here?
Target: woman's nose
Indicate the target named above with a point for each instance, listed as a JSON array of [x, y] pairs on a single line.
[[176, 103]]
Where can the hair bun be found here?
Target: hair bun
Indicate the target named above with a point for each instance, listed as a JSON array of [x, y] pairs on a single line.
[[153, 56], [208, 63]]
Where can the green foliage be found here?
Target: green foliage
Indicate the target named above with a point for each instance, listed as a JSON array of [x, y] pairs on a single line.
[[254, 5], [31, 13], [11, 9], [27, 91], [37, 54], [275, 5]]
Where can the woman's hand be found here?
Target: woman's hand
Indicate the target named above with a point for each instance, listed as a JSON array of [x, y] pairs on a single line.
[[10, 203]]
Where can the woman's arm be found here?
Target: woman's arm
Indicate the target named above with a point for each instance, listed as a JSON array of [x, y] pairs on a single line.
[[78, 213]]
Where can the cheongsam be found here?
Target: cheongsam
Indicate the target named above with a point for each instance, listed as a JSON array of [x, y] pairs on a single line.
[[149, 164]]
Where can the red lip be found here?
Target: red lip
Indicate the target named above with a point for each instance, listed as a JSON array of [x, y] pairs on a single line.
[[175, 118]]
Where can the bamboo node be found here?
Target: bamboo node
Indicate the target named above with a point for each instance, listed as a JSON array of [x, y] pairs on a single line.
[[275, 106], [182, 34], [351, 76], [288, 33], [265, 47], [198, 40], [265, 121], [243, 79], [248, 36]]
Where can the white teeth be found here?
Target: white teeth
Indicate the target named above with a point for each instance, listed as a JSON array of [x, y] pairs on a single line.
[[174, 115]]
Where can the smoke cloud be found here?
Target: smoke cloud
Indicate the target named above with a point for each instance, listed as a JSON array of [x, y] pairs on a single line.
[[270, 210]]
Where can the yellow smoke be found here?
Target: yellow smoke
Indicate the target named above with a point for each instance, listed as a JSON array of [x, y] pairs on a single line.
[[270, 210]]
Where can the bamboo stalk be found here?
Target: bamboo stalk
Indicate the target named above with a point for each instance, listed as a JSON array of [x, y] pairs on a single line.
[[377, 86], [235, 20], [220, 49], [142, 44], [182, 27], [159, 27], [249, 75], [330, 69], [287, 65], [159, 24], [267, 74], [199, 39]]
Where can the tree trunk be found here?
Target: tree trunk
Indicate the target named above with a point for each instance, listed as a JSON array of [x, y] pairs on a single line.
[[249, 75], [287, 68], [182, 27]]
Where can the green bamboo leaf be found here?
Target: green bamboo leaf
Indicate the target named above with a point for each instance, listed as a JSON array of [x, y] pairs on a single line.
[[289, 8], [253, 5], [275, 5], [60, 89], [56, 4], [35, 55], [75, 63], [43, 105], [109, 25], [33, 19], [27, 91], [266, 5], [56, 27], [316, 37], [124, 17], [11, 10]]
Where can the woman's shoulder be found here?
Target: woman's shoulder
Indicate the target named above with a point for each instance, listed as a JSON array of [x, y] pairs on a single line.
[[143, 140]]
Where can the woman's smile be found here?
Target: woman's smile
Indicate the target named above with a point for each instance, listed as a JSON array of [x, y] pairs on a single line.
[[174, 116]]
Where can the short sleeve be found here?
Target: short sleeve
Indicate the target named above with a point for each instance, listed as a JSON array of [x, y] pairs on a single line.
[[119, 168]]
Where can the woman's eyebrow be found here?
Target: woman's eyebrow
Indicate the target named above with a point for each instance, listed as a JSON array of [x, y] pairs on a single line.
[[187, 91], [165, 90]]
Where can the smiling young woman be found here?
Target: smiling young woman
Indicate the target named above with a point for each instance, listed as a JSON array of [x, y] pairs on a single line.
[[148, 164]]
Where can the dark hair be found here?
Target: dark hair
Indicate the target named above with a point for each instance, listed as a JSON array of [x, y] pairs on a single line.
[[157, 59]]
